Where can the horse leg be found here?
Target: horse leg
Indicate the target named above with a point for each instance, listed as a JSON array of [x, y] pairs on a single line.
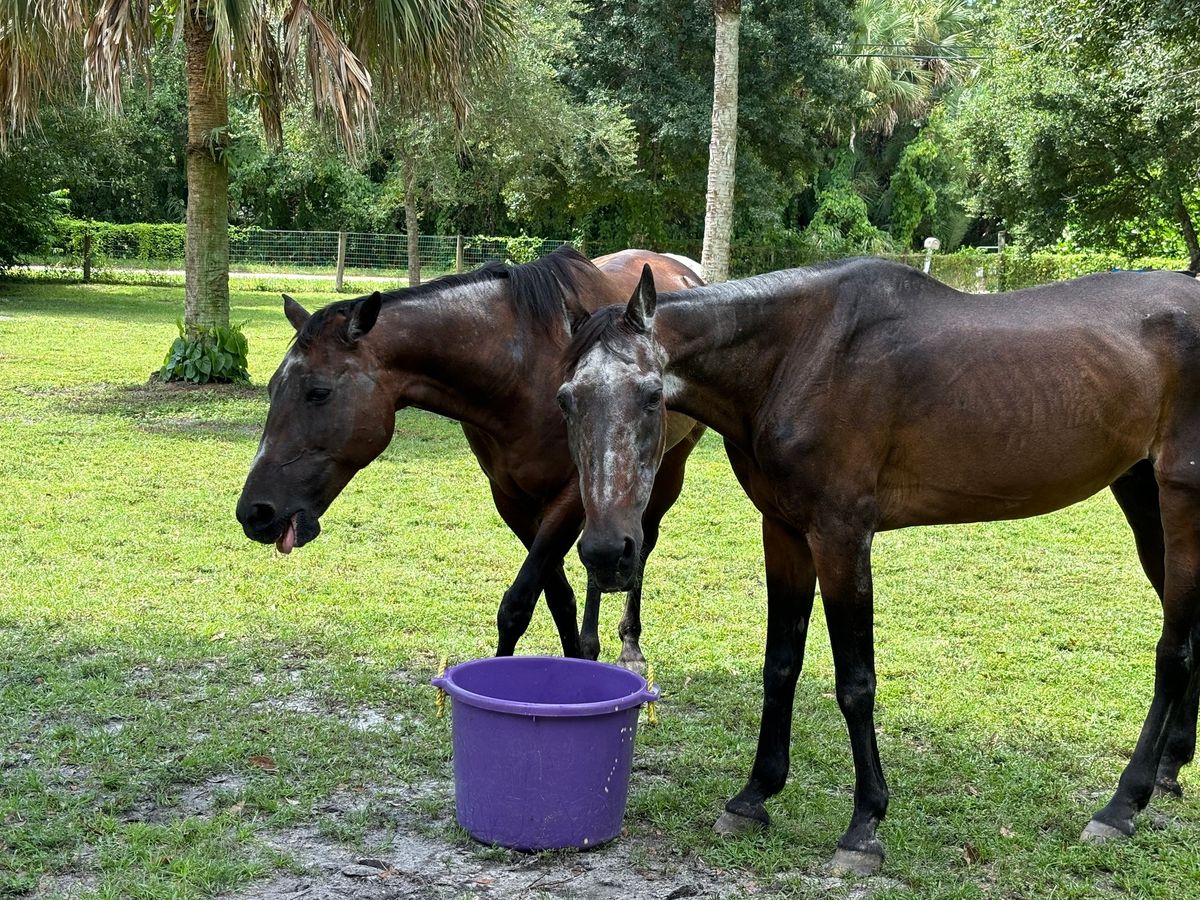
[[1175, 671], [791, 581], [843, 562], [630, 628], [589, 633], [548, 542], [1137, 494]]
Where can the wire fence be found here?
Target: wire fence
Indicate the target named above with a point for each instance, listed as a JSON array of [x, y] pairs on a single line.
[[355, 261]]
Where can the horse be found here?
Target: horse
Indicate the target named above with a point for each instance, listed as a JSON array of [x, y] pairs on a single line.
[[480, 348], [862, 395]]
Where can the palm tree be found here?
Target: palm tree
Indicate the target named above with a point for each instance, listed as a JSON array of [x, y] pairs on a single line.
[[905, 52], [420, 52], [722, 148]]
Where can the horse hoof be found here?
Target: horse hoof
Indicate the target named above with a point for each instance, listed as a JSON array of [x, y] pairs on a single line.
[[855, 862], [731, 825], [1100, 833], [633, 664], [1168, 787]]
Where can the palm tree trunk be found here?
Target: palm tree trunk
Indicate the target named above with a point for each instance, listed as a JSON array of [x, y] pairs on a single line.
[[207, 250], [411, 225], [722, 150]]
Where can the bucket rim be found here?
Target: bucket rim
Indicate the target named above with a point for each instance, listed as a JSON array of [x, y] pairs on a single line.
[[642, 695]]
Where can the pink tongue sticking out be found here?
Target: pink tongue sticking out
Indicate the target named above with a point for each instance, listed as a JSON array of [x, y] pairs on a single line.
[[287, 540]]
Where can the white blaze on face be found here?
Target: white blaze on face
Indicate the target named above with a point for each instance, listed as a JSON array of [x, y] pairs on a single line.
[[285, 370]]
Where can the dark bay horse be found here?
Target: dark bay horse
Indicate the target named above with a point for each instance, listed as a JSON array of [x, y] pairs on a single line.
[[481, 348], [861, 396]]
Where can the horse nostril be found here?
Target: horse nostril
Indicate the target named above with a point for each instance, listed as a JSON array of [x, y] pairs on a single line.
[[261, 514], [629, 550]]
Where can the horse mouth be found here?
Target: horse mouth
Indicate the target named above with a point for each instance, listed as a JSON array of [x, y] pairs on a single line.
[[299, 530], [287, 541]]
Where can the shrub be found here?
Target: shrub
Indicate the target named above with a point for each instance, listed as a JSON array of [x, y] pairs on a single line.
[[201, 355]]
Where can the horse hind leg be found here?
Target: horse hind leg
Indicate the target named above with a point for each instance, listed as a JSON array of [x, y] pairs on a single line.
[[1136, 493], [1176, 670]]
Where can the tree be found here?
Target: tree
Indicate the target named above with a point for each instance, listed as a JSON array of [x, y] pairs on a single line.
[[722, 148], [1088, 129], [421, 51], [904, 54], [654, 60]]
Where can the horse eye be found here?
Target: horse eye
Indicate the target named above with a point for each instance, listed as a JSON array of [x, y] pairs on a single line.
[[566, 402], [653, 400], [316, 395]]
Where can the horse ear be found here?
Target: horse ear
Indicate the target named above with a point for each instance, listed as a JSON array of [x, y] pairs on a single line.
[[363, 316], [296, 314], [575, 320], [640, 311]]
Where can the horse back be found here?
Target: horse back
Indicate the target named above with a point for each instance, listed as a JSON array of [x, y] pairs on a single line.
[[953, 407]]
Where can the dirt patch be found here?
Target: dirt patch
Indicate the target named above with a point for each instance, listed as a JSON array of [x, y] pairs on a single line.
[[66, 886], [189, 800], [417, 857]]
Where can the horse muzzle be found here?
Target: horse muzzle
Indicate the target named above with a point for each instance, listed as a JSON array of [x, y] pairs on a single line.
[[261, 522], [611, 559]]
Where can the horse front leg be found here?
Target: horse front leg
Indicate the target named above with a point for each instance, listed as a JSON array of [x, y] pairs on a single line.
[[554, 536], [589, 632], [1175, 671], [843, 562], [791, 582]]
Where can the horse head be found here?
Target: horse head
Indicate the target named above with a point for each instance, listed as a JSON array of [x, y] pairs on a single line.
[[612, 400], [330, 416]]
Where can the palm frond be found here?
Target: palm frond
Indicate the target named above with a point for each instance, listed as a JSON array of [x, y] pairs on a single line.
[[121, 33], [341, 84], [35, 41]]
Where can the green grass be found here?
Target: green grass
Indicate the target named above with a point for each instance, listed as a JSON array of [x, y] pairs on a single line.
[[148, 649]]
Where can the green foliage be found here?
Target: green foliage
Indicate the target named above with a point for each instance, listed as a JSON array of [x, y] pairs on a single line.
[[914, 199], [1086, 128], [28, 204], [201, 355], [139, 242], [654, 59], [841, 225]]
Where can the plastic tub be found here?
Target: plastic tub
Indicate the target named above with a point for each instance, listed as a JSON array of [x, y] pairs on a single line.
[[543, 747]]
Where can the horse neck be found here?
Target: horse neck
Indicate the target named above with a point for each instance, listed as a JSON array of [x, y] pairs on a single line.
[[724, 344], [465, 354]]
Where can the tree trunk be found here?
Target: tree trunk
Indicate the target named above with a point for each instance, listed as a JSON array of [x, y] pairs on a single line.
[[207, 251], [1189, 231], [410, 222], [722, 150]]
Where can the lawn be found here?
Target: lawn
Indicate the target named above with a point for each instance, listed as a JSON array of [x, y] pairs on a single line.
[[185, 713]]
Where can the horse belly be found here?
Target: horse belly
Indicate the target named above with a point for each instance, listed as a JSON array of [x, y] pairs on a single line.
[[940, 472]]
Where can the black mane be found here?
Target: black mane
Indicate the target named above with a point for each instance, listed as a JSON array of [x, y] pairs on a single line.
[[536, 289], [604, 326]]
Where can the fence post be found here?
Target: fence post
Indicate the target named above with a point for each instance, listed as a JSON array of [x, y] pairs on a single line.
[[87, 255], [458, 255], [341, 261]]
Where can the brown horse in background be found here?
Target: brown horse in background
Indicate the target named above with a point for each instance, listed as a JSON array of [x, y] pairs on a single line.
[[482, 348], [861, 396]]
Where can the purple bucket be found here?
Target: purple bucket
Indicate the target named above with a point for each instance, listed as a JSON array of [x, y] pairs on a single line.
[[542, 749]]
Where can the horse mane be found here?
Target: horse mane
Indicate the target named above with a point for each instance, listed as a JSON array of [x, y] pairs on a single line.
[[537, 290], [605, 326]]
